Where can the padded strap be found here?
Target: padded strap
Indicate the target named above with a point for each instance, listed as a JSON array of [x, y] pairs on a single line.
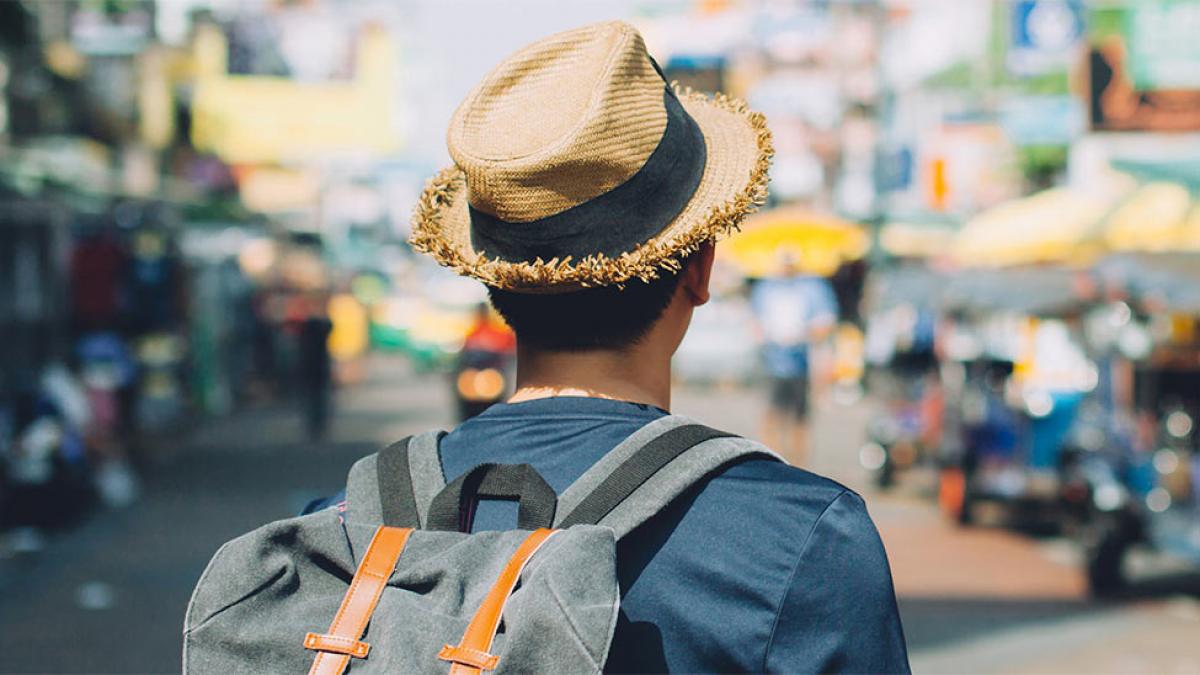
[[646, 472], [425, 464], [335, 648], [453, 509], [401, 479], [635, 471], [471, 656], [398, 505]]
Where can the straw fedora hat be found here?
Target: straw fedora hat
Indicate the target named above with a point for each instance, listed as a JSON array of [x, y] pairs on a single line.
[[576, 165]]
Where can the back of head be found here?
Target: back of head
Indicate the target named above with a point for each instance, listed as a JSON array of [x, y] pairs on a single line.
[[609, 317]]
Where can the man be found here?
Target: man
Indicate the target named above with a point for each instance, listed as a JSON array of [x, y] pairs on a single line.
[[794, 311], [586, 194]]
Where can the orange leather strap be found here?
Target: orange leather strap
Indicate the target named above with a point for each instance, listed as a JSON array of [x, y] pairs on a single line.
[[471, 656], [335, 648]]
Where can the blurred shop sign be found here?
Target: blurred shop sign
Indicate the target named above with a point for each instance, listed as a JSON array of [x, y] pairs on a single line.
[[113, 28], [1043, 120], [266, 119], [1045, 34], [962, 168], [1146, 76]]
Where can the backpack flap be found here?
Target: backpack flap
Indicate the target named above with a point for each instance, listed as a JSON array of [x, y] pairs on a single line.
[[559, 619], [248, 614]]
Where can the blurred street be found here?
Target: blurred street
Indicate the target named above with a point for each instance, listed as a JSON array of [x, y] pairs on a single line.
[[972, 292], [973, 600]]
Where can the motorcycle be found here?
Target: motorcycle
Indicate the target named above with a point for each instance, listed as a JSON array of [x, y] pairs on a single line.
[[483, 372], [1140, 489]]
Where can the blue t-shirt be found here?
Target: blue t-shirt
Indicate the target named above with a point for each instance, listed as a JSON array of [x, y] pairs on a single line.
[[763, 567]]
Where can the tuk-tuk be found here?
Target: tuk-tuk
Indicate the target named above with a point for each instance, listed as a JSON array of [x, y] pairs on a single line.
[[1017, 373]]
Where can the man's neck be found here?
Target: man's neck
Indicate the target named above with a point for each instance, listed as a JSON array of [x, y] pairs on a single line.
[[635, 374]]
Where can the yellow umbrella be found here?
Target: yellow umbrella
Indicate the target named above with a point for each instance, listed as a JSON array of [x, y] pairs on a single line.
[[815, 243], [1056, 225]]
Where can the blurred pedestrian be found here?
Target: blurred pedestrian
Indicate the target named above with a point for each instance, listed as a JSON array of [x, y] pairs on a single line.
[[795, 311], [97, 269], [586, 194], [315, 365]]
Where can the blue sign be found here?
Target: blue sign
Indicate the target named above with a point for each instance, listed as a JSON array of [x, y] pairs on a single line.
[[1045, 33], [894, 170]]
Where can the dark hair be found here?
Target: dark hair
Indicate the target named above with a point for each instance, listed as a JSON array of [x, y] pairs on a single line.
[[595, 318]]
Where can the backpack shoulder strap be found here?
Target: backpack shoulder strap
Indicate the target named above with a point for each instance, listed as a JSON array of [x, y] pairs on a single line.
[[395, 486], [647, 471]]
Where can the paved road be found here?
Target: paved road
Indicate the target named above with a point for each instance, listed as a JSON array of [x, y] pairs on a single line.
[[973, 600]]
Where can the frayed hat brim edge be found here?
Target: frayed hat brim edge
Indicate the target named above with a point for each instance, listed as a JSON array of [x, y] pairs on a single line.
[[647, 262]]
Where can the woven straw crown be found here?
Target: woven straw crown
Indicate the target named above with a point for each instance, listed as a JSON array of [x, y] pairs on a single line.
[[565, 125], [561, 122]]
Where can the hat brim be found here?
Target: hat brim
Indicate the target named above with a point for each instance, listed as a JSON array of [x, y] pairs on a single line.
[[733, 185]]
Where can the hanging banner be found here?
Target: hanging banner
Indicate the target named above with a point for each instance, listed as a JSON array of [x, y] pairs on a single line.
[[1146, 77], [1164, 52]]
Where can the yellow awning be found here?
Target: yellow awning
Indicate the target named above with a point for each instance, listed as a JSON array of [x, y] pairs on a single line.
[[1159, 217], [1056, 225], [916, 240], [1189, 234]]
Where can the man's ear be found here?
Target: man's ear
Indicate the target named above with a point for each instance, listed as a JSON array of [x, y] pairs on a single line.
[[697, 274]]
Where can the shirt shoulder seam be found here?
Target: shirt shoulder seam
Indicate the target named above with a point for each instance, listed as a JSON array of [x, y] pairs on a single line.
[[792, 577]]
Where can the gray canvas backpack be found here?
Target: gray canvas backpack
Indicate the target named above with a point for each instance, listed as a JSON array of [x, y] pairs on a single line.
[[298, 593]]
